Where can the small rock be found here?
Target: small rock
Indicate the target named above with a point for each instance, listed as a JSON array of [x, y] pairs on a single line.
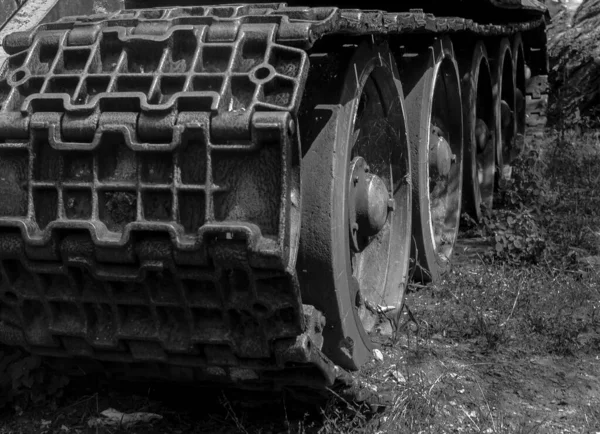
[[378, 355], [114, 418], [371, 387], [398, 377]]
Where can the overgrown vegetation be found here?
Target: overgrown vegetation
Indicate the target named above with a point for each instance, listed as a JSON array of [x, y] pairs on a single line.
[[548, 212], [26, 381]]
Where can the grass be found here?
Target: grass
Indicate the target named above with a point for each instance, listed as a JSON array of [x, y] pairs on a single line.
[[478, 331], [508, 343]]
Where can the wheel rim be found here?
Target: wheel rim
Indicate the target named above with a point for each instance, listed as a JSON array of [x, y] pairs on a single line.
[[352, 274], [504, 106], [445, 168], [434, 114], [375, 228], [479, 125], [485, 162], [520, 90]]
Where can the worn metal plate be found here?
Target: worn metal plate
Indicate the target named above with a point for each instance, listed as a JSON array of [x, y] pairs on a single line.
[[146, 198]]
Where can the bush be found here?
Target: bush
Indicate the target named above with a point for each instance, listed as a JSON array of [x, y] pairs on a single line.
[[517, 224], [25, 380]]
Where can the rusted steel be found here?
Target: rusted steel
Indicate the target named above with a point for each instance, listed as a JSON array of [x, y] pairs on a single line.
[[297, 26], [434, 115], [7, 10], [479, 125], [22, 15], [148, 211]]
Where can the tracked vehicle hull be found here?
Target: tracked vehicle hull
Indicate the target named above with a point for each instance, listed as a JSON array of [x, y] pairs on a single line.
[[207, 192]]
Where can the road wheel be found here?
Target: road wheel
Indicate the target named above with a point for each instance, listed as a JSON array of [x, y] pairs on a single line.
[[356, 199], [479, 131], [434, 114], [501, 64]]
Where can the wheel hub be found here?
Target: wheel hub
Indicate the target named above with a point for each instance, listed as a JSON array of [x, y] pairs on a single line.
[[440, 153], [369, 203], [482, 135]]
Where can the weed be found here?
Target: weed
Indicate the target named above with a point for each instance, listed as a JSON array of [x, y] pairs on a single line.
[[548, 211], [25, 380]]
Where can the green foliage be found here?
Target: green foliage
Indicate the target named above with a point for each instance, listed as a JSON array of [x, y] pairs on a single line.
[[562, 314], [517, 225], [548, 211], [25, 380], [556, 313], [518, 236]]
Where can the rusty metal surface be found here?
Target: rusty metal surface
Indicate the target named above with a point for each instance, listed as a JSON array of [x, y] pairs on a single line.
[[147, 194], [150, 185], [431, 5], [296, 26], [346, 274], [7, 9], [22, 15]]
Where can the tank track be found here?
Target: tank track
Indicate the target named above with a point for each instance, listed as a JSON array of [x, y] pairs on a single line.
[[537, 103], [120, 136]]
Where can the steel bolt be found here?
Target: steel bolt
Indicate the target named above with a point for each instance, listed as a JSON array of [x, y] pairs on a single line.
[[373, 205], [440, 155]]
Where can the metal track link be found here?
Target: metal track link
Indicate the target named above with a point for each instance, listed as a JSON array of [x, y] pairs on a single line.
[[537, 87], [295, 26], [149, 199], [537, 102]]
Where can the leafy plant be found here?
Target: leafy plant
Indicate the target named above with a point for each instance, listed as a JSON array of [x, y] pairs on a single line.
[[25, 380], [517, 225], [517, 235]]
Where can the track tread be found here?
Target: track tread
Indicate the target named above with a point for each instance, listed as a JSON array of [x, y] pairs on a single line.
[[537, 103]]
